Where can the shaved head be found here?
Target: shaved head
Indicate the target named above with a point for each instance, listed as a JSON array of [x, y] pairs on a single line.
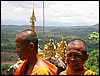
[[78, 42], [28, 36]]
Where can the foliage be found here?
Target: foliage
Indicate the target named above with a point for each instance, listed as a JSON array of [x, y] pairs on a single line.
[[4, 68], [94, 36], [93, 41], [8, 46], [8, 33], [93, 62]]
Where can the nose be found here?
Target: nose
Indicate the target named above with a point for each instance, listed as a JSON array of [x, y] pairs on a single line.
[[72, 58]]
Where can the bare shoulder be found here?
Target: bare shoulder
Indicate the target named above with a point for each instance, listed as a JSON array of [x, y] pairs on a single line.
[[63, 73], [42, 63]]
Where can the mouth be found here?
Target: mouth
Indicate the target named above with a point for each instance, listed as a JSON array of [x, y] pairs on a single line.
[[73, 64], [18, 54]]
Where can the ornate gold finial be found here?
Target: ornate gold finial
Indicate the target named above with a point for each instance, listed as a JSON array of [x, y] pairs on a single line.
[[51, 40], [32, 20]]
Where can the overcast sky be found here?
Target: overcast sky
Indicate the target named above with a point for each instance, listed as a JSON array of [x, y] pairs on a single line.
[[74, 12]]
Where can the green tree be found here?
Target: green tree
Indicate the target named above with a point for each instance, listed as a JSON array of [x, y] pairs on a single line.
[[4, 68], [94, 36], [93, 41], [93, 62]]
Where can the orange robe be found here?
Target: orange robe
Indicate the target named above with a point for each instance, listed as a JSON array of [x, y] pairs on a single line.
[[85, 71], [50, 70]]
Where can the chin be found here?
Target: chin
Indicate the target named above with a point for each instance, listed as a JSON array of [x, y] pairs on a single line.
[[73, 67]]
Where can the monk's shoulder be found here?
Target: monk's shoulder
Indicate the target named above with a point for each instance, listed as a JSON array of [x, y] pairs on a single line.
[[63, 73]]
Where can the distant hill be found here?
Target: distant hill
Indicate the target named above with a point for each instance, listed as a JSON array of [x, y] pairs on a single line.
[[79, 31], [40, 23], [12, 22], [95, 26], [8, 33]]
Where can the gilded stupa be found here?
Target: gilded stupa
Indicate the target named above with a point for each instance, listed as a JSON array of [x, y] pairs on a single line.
[[32, 21]]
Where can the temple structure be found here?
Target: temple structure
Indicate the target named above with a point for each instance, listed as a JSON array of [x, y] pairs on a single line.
[[32, 21]]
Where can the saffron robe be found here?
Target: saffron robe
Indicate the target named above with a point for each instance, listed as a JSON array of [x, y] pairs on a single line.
[[85, 71], [50, 70]]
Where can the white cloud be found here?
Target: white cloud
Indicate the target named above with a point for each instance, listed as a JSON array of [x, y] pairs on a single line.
[[70, 11], [54, 11]]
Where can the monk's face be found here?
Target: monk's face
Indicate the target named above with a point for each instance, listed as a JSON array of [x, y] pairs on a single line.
[[22, 48], [75, 58]]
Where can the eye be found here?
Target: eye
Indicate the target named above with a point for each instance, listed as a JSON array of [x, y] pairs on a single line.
[[68, 55], [78, 56], [77, 49]]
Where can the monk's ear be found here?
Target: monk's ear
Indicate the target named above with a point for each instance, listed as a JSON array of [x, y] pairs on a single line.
[[86, 57], [31, 45]]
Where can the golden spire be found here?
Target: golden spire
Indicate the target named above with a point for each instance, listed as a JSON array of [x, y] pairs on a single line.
[[32, 20]]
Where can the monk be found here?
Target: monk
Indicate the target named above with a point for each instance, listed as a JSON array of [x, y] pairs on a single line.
[[75, 58], [27, 49]]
